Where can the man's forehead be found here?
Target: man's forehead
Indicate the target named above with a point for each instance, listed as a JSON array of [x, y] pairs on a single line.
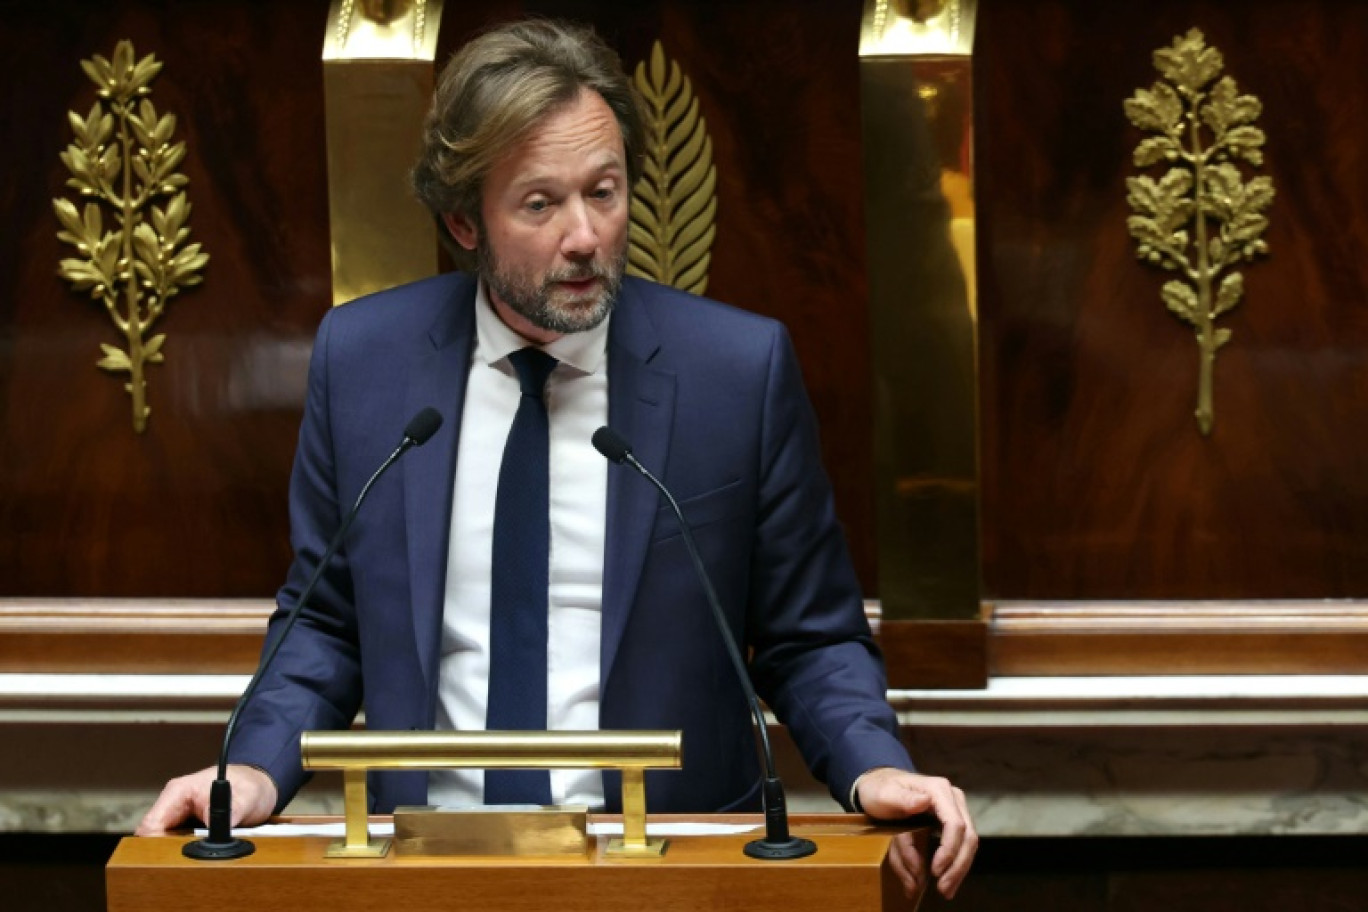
[[582, 136], [604, 163]]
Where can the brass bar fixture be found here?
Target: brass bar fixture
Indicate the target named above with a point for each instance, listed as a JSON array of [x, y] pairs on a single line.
[[356, 753]]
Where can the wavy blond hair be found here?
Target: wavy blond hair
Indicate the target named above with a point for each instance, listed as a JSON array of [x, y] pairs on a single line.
[[502, 84]]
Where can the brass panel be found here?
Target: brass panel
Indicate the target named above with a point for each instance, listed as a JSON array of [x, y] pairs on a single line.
[[377, 83], [917, 104], [558, 830]]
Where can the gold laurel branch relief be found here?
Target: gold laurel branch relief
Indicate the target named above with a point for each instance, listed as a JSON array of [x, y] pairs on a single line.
[[1202, 217], [123, 163], [674, 204]]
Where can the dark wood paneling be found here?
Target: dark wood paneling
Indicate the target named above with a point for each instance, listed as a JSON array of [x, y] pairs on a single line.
[[1180, 638], [54, 873], [196, 506], [207, 636], [1230, 874], [61, 873], [224, 637], [1096, 482], [935, 654], [134, 636]]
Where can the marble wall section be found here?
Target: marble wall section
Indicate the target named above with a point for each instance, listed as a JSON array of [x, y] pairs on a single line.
[[1173, 756], [1038, 757]]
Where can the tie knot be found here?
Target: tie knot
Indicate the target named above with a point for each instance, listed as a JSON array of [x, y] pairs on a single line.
[[533, 366]]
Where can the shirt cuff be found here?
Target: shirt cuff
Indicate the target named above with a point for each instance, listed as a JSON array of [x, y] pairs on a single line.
[[855, 789]]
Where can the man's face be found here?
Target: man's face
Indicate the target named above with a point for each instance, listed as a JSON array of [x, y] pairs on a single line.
[[553, 243]]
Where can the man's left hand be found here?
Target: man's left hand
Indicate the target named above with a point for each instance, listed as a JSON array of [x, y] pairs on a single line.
[[891, 794]]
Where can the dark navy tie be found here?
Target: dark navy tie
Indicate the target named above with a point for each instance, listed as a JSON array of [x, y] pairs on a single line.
[[519, 582]]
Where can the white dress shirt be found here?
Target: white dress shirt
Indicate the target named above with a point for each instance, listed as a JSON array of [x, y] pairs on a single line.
[[577, 405]]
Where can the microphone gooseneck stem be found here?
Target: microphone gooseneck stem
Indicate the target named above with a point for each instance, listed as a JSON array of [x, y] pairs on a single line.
[[777, 844], [299, 604], [219, 844]]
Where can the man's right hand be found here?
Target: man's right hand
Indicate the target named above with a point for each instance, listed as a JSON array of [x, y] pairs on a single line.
[[254, 798]]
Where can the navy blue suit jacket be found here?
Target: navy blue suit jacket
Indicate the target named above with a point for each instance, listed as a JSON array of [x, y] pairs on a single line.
[[713, 402]]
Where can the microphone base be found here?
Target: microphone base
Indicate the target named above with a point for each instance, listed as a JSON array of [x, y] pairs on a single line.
[[205, 850], [767, 850]]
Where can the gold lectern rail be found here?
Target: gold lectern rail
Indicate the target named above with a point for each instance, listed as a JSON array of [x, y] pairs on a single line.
[[356, 753]]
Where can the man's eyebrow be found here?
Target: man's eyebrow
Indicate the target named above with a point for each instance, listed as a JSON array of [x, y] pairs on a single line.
[[610, 164]]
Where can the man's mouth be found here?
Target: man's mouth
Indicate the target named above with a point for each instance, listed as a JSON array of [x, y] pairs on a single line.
[[579, 286]]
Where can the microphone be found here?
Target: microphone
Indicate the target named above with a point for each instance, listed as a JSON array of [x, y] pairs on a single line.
[[777, 844], [220, 844]]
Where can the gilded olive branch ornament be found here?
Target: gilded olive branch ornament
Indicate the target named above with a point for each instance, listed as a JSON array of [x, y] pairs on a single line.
[[1201, 218], [123, 161], [674, 203]]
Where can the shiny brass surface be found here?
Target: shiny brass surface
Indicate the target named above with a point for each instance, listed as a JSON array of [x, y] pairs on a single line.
[[674, 204], [558, 830], [356, 752], [917, 28], [356, 843], [377, 83], [917, 106], [382, 29], [634, 842], [1201, 218], [123, 162], [491, 750]]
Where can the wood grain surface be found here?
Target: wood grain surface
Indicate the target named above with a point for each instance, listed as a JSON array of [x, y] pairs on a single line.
[[1096, 483], [695, 873]]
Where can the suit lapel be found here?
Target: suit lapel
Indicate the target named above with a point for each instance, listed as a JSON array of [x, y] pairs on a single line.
[[438, 379], [641, 400]]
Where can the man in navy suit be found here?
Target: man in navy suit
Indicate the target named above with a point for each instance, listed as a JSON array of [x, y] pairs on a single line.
[[531, 150]]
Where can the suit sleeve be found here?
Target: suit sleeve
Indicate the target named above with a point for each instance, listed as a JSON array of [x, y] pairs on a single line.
[[314, 681], [814, 659]]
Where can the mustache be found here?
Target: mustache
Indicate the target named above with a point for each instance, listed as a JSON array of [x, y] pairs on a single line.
[[594, 270]]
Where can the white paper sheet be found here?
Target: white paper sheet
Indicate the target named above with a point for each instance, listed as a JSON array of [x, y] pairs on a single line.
[[685, 828]]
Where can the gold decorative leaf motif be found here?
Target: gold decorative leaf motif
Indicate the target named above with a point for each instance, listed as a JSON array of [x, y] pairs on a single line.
[[123, 159], [674, 204], [1202, 217]]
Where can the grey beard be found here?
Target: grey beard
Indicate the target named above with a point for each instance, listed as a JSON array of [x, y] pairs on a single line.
[[532, 300]]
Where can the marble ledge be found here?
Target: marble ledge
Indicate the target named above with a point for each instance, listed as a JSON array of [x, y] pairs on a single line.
[[1199, 700], [1021, 701]]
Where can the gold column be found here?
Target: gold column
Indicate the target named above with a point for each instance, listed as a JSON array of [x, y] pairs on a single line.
[[377, 83], [917, 107]]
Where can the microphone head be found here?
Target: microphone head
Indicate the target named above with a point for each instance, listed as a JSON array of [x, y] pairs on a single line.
[[423, 425], [613, 447]]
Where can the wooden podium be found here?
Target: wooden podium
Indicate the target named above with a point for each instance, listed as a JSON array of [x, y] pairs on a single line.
[[849, 871]]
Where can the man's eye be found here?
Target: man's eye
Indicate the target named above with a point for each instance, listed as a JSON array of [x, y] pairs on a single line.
[[538, 205]]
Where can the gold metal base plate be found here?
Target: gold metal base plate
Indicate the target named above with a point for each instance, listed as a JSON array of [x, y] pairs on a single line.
[[654, 848], [376, 848]]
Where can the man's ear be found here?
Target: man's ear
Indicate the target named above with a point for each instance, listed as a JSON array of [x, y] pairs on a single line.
[[462, 229]]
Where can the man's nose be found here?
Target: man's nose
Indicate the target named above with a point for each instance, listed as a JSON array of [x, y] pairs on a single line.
[[579, 237]]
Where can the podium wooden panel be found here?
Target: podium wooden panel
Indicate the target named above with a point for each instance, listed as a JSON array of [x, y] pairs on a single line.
[[710, 873]]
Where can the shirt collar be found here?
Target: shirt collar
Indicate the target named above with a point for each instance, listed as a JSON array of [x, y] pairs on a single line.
[[585, 351]]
